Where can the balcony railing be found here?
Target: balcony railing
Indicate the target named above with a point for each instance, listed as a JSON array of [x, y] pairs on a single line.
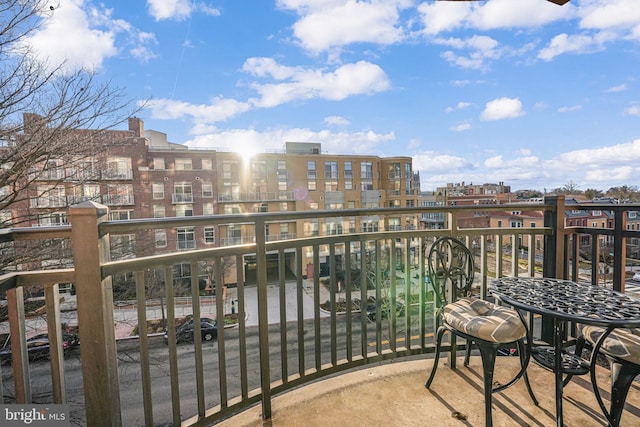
[[177, 198], [118, 199], [310, 325], [268, 196]]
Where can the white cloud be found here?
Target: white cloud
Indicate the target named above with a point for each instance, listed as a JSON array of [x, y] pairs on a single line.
[[459, 106], [350, 22], [461, 127], [178, 10], [431, 161], [578, 43], [569, 109], [633, 110], [336, 121], [480, 50], [607, 14], [218, 110], [296, 83], [441, 16], [170, 9], [78, 35], [502, 108], [615, 89], [359, 142], [69, 36]]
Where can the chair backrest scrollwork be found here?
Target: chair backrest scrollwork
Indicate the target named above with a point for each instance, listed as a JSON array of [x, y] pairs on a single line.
[[451, 270]]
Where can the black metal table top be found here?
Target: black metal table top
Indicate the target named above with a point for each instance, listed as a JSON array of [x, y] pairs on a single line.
[[567, 300]]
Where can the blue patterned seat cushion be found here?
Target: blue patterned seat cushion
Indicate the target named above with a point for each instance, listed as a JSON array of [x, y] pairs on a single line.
[[484, 320], [621, 343]]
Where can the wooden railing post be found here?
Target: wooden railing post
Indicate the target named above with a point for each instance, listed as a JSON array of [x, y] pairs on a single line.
[[554, 244], [95, 316], [554, 253], [619, 250]]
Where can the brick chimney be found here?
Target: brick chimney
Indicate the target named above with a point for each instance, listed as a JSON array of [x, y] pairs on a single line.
[[136, 125]]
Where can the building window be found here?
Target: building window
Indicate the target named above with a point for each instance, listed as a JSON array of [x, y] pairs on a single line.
[[161, 238], [119, 194], [159, 211], [311, 170], [207, 164], [351, 204], [49, 197], [334, 227], [311, 185], [348, 184], [369, 226], [183, 165], [284, 231], [231, 209], [184, 210], [207, 209], [158, 163], [313, 205], [209, 235], [52, 219], [157, 191], [499, 223], [516, 224], [533, 225], [118, 168], [186, 238], [331, 185], [207, 189], [282, 165], [120, 215], [284, 206], [182, 193], [366, 170], [314, 227]]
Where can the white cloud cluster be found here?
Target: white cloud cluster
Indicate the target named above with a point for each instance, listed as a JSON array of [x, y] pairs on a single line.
[[296, 83], [502, 108], [178, 10], [361, 142], [375, 21]]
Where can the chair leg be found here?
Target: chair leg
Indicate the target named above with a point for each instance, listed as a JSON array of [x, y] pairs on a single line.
[[467, 355], [488, 353], [521, 351], [622, 377], [439, 336]]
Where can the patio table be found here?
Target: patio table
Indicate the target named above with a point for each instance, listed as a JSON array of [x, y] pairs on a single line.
[[567, 301]]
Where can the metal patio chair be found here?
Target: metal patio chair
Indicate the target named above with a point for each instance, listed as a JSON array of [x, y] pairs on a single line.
[[490, 326], [621, 347]]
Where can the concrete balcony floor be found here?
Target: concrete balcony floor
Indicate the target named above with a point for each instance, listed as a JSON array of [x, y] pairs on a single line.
[[393, 394]]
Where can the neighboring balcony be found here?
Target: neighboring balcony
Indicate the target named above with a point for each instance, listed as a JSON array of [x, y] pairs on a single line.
[[296, 313], [118, 200], [114, 174], [177, 198], [269, 196]]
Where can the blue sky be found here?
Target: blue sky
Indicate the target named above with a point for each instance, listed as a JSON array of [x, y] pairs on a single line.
[[521, 91]]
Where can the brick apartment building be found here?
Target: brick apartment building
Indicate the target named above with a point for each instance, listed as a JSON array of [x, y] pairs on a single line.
[[141, 175]]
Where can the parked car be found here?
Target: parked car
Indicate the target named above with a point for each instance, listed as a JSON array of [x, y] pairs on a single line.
[[636, 276], [184, 332], [38, 346]]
